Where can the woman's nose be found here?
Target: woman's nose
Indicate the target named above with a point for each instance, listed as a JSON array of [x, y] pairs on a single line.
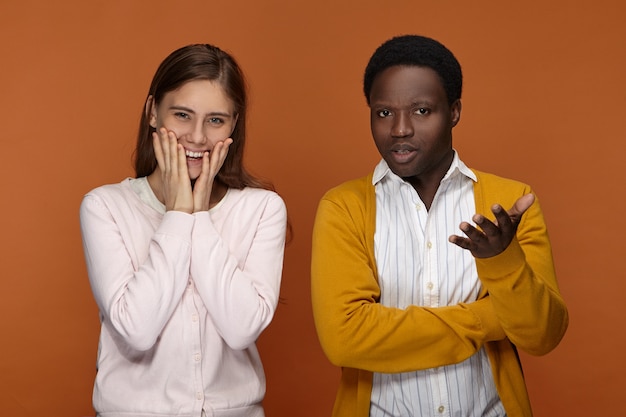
[[197, 135]]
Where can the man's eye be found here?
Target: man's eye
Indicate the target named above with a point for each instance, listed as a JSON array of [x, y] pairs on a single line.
[[422, 110], [384, 113]]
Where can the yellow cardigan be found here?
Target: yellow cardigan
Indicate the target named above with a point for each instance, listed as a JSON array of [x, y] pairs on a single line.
[[520, 305]]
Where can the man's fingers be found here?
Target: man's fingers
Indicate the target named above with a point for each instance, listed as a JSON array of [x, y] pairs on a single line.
[[492, 237], [487, 226], [471, 232], [521, 205], [461, 242]]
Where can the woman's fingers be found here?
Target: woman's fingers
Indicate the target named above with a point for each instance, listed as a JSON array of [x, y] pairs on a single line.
[[181, 162], [218, 156], [158, 150], [211, 164]]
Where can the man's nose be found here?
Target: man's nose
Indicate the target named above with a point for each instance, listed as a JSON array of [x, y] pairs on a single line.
[[402, 126]]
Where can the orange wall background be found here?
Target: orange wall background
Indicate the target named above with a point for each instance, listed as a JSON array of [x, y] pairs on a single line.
[[544, 102]]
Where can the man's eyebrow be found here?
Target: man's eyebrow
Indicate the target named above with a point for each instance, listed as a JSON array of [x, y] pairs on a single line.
[[422, 103], [389, 104]]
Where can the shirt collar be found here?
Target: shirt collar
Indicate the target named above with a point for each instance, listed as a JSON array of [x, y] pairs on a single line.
[[457, 166]]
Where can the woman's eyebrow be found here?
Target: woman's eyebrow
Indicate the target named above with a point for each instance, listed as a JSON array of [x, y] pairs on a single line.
[[189, 110]]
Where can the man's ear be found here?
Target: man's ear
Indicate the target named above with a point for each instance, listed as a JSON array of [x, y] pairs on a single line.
[[151, 111], [455, 111]]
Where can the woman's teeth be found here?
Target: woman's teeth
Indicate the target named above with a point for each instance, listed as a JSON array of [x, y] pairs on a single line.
[[191, 154]]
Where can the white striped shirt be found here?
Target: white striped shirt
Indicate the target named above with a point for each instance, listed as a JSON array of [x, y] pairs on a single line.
[[418, 266]]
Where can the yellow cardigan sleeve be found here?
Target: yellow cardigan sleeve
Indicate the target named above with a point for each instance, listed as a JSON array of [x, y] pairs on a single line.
[[521, 281], [356, 331]]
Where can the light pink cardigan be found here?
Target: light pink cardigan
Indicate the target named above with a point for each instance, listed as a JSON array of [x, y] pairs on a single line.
[[182, 300]]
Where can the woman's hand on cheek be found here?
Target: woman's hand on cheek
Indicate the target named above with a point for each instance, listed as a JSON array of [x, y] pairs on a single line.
[[176, 186], [211, 164]]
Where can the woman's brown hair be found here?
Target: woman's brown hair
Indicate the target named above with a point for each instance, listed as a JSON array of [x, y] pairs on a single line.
[[200, 62]]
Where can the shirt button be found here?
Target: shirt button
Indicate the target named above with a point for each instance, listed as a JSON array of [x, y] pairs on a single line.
[[196, 357], [441, 409], [430, 285], [198, 395], [429, 245], [194, 318], [418, 207]]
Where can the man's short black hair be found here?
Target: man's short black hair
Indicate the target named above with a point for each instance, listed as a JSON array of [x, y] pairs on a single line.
[[420, 51]]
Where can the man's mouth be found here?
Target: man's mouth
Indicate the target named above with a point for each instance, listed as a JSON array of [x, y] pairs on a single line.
[[402, 148], [402, 153]]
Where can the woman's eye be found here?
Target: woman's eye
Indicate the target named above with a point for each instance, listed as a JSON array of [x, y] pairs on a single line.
[[216, 121], [181, 115], [384, 113]]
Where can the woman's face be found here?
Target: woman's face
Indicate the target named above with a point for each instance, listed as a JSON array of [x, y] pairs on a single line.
[[200, 114]]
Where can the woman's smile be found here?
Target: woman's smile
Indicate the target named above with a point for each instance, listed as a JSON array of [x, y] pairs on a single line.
[[194, 155]]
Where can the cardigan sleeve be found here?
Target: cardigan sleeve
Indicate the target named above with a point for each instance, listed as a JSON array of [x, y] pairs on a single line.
[[356, 331], [135, 296], [241, 290], [522, 280]]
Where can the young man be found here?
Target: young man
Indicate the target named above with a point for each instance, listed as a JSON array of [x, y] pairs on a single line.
[[424, 322]]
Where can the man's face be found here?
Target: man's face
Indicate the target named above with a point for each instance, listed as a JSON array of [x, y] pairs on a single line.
[[411, 121]]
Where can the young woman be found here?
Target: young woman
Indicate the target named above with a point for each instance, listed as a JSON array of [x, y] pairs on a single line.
[[185, 260]]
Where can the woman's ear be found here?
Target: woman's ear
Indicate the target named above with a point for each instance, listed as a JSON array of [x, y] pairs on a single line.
[[455, 110], [151, 111]]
